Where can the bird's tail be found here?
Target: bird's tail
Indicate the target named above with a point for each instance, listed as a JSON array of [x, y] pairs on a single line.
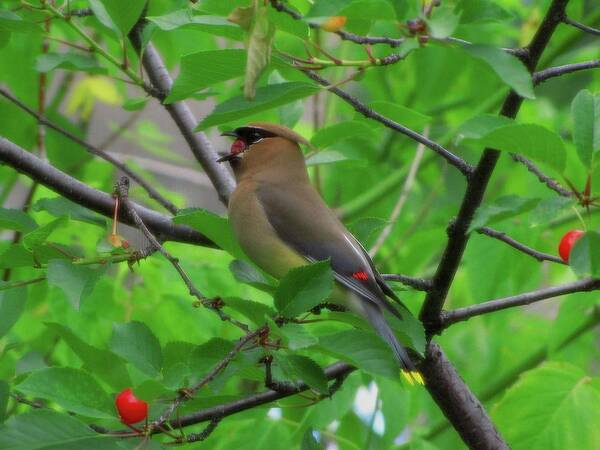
[[375, 316]]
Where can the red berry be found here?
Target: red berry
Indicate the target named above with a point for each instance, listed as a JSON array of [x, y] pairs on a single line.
[[131, 409], [567, 242]]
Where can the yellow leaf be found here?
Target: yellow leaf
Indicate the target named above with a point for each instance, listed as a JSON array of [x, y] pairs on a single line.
[[87, 91]]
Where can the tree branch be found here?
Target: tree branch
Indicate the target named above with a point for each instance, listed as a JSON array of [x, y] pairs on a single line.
[[464, 167], [477, 183], [521, 247], [581, 26], [183, 117], [552, 72], [461, 314], [542, 177], [84, 195], [457, 402], [153, 193]]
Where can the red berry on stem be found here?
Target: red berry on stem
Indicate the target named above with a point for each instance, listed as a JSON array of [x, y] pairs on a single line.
[[567, 242], [131, 409]]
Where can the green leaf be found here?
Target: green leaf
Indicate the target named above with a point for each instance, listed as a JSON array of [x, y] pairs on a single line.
[[294, 336], [443, 22], [14, 219], [333, 134], [409, 330], [9, 21], [304, 369], [214, 227], [218, 26], [48, 62], [258, 44], [266, 98], [60, 206], [398, 113], [12, 304], [206, 356], [202, 69], [47, 429], [508, 67], [530, 140], [585, 255], [38, 236], [4, 394], [135, 104], [102, 363], [585, 111], [363, 349], [73, 389], [503, 208], [254, 311], [246, 273], [287, 24], [549, 209], [124, 14], [309, 442], [136, 344], [303, 288], [553, 407], [478, 126], [76, 281], [327, 157]]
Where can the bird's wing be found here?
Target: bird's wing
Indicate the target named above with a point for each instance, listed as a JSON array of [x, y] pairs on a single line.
[[303, 221]]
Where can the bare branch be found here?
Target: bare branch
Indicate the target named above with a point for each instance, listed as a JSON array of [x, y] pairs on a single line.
[[153, 193], [122, 189], [552, 184], [552, 72], [478, 181], [464, 167], [581, 26], [84, 195], [521, 247], [461, 314], [406, 188], [183, 117]]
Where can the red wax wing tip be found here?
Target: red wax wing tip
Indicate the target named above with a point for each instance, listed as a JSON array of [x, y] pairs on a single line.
[[360, 276], [238, 147]]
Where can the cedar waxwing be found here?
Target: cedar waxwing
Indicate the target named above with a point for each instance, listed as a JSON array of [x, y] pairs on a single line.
[[281, 222]]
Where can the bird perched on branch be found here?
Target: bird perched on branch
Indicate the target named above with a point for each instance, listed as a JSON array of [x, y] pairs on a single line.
[[281, 222]]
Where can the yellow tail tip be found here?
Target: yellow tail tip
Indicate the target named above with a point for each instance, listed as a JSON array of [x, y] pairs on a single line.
[[413, 376]]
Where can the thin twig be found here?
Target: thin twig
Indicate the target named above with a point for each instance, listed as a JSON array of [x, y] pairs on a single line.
[[540, 256], [461, 314], [548, 181], [420, 284], [187, 394], [406, 188], [581, 26], [122, 189], [153, 193], [464, 167], [552, 72]]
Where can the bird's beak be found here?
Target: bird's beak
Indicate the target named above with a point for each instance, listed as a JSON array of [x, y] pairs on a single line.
[[228, 157], [229, 133]]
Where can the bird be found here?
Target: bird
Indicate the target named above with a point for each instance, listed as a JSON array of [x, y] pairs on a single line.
[[281, 222]]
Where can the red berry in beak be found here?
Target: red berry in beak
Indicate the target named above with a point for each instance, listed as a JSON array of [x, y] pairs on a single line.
[[238, 147]]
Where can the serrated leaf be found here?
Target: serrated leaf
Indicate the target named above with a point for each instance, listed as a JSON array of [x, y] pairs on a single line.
[[215, 25], [203, 69], [76, 281], [553, 407], [48, 62], [549, 209], [214, 227], [294, 336], [246, 273], [503, 208], [530, 140], [443, 22], [266, 98], [124, 14], [585, 110], [585, 255], [303, 288], [363, 349], [254, 311], [73, 389], [102, 363], [60, 206], [508, 67], [37, 237], [12, 305], [14, 219], [298, 367], [47, 429], [206, 356], [136, 344]]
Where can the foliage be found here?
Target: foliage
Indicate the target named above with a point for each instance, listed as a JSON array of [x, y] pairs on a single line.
[[80, 320]]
